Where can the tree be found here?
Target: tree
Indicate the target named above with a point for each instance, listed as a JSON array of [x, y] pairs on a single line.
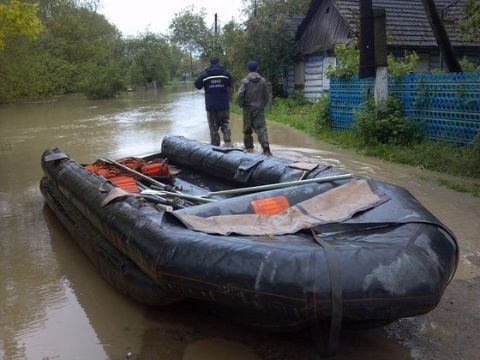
[[17, 19], [189, 31], [152, 59], [470, 23], [76, 47], [269, 38]]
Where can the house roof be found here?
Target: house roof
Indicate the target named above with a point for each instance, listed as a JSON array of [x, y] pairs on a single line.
[[407, 22]]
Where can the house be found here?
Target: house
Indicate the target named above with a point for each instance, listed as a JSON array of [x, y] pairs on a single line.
[[332, 22]]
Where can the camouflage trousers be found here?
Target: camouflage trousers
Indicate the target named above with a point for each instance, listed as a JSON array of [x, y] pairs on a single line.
[[254, 119], [218, 120]]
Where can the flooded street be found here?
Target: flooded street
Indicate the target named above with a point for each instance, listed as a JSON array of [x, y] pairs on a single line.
[[55, 305]]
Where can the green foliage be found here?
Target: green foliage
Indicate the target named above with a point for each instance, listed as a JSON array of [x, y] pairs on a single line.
[[189, 31], [402, 66], [470, 22], [473, 189], [294, 111], [268, 38], [79, 50], [468, 66], [74, 38], [18, 19], [101, 81], [347, 61], [151, 59], [270, 42], [383, 123], [28, 72], [321, 109], [232, 34], [254, 8]]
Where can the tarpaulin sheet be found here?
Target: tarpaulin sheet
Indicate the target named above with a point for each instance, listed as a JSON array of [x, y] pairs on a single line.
[[332, 206]]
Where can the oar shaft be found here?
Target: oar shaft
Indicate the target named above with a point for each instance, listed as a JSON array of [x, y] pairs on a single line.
[[279, 185], [179, 195]]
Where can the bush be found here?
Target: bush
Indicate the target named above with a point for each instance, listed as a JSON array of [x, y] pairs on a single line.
[[101, 81], [321, 109], [347, 61], [384, 124], [468, 66], [398, 67]]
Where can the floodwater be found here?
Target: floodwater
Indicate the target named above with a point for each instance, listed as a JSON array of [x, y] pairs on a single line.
[[54, 304]]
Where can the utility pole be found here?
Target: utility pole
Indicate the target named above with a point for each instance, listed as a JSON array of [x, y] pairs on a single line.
[[441, 35], [367, 64], [380, 51], [216, 26]]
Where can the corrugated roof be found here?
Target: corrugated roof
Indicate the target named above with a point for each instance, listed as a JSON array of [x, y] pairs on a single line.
[[407, 23]]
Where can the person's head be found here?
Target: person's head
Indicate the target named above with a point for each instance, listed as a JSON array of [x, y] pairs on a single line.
[[214, 60], [252, 65]]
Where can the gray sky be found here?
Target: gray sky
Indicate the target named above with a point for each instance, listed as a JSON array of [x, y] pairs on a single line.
[[133, 17]]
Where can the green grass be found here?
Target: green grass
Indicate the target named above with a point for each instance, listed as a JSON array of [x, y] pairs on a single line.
[[437, 156], [473, 189]]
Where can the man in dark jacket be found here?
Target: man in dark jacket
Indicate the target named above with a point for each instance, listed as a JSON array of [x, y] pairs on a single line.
[[253, 96], [217, 82]]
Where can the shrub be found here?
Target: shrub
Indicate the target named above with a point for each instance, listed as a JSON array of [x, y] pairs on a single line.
[[347, 61], [468, 66], [321, 109], [402, 66], [384, 124], [102, 81]]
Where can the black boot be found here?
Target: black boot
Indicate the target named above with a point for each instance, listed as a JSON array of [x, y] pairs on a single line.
[[266, 151]]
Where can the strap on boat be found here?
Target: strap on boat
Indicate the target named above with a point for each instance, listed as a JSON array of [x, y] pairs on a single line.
[[336, 296]]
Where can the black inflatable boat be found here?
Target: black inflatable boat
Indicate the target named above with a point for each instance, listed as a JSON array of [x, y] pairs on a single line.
[[352, 250]]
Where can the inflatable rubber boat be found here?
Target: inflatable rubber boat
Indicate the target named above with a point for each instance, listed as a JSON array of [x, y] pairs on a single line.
[[273, 242]]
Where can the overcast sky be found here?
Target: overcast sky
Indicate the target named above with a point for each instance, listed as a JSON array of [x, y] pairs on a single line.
[[133, 17]]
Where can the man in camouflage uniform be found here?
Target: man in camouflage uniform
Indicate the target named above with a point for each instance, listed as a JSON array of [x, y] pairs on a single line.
[[217, 82], [253, 96]]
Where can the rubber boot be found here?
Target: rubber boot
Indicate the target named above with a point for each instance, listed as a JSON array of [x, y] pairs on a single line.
[[266, 151]]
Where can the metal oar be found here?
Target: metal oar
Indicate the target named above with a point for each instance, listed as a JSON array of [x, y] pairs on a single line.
[[157, 183], [179, 195], [279, 185]]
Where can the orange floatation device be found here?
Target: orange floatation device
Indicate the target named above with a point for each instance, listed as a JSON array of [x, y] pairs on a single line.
[[124, 180]]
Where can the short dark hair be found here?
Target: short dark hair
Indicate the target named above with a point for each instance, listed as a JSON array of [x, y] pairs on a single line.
[[214, 60], [252, 65]]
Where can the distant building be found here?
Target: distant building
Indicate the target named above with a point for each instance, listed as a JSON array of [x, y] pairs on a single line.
[[332, 22]]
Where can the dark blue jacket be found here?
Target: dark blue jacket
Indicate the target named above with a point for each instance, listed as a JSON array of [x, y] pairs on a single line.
[[217, 82]]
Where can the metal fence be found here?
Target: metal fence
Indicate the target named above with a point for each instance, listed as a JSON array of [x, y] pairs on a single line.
[[447, 105]]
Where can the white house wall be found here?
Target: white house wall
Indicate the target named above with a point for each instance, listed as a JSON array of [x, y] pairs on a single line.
[[313, 77]]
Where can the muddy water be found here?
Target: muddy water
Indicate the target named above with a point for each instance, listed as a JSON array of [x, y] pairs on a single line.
[[53, 303]]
